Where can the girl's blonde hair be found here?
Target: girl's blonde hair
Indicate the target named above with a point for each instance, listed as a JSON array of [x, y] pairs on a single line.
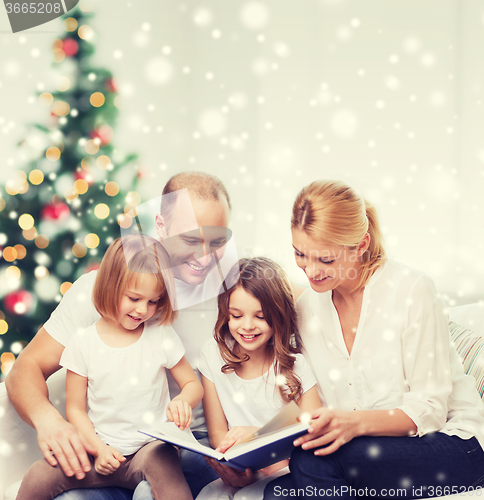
[[267, 282], [127, 259], [334, 213]]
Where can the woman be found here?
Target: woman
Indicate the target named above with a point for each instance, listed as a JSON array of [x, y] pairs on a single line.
[[400, 418]]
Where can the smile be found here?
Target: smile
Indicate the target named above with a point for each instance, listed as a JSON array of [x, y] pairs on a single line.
[[133, 318], [196, 268], [320, 279], [249, 337]]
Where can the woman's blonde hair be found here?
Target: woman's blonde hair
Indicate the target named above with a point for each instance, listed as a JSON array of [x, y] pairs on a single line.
[[332, 212], [126, 260], [267, 282]]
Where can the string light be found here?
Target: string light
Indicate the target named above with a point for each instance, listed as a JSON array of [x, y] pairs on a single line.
[[97, 99], [53, 153], [70, 24], [3, 327], [42, 241], [79, 250], [101, 211], [46, 99], [21, 251], [26, 221], [41, 273], [13, 273], [91, 147], [36, 177], [111, 188], [103, 162], [81, 186], [65, 286], [61, 108], [85, 32], [91, 240], [125, 221], [9, 254], [87, 162], [29, 234]]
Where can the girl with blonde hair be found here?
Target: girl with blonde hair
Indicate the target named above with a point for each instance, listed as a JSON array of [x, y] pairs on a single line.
[[117, 366], [399, 417]]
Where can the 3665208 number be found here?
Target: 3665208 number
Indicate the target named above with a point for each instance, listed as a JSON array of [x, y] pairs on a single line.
[[33, 8]]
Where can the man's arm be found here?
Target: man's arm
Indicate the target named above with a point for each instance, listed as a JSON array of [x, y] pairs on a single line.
[[29, 395]]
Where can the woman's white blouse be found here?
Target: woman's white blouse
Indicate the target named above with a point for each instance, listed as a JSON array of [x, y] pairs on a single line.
[[401, 357]]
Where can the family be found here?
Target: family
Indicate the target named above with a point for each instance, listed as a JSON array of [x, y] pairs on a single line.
[[172, 328]]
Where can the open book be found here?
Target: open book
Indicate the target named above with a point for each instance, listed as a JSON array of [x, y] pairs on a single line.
[[270, 444]]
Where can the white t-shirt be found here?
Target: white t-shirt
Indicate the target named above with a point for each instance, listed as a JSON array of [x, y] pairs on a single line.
[[248, 402], [127, 386], [194, 325], [401, 358]]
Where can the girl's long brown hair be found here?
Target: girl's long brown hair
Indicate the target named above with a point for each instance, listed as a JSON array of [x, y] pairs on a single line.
[[267, 282]]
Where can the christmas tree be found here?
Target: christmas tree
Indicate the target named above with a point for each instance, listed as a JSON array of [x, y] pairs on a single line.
[[59, 214]]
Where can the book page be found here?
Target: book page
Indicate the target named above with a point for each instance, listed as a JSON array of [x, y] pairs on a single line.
[[286, 417], [169, 432]]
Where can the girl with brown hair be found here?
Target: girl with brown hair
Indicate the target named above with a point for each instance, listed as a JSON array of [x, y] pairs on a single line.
[[253, 366]]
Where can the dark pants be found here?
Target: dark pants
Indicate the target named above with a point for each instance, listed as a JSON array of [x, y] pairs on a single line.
[[385, 467]]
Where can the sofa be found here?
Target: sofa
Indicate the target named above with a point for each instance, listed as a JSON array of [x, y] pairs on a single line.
[[18, 443]]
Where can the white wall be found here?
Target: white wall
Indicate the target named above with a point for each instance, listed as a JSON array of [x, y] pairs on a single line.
[[385, 95]]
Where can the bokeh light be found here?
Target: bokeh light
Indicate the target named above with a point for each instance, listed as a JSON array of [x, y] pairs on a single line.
[[70, 24], [36, 177], [101, 211], [9, 254], [26, 221], [111, 188], [53, 153], [91, 240], [103, 162], [81, 186], [41, 241], [79, 250], [97, 99], [65, 286]]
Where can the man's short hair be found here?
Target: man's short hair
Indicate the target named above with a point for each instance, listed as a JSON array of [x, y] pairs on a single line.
[[199, 184]]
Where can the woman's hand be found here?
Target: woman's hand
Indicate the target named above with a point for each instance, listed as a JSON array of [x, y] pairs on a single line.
[[331, 429], [231, 476], [180, 412], [234, 436], [108, 459]]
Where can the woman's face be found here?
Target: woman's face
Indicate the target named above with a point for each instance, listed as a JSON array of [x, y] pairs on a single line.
[[327, 266]]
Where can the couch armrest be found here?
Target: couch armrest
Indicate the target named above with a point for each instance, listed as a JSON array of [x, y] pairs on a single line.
[[18, 441]]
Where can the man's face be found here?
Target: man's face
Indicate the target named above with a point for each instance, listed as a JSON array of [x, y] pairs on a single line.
[[193, 251]]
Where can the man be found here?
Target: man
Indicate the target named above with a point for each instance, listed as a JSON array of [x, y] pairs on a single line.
[[58, 440]]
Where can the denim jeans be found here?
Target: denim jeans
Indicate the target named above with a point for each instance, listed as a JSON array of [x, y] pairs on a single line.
[[386, 467], [196, 470]]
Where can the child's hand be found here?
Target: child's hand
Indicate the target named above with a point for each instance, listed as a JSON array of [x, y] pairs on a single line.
[[234, 436], [108, 460], [180, 412]]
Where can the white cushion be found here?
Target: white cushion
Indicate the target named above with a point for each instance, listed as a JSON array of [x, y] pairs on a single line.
[[471, 316], [12, 490]]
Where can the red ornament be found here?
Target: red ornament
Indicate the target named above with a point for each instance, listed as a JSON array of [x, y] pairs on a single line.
[[70, 47], [55, 211], [93, 266], [110, 85], [104, 133], [18, 302]]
